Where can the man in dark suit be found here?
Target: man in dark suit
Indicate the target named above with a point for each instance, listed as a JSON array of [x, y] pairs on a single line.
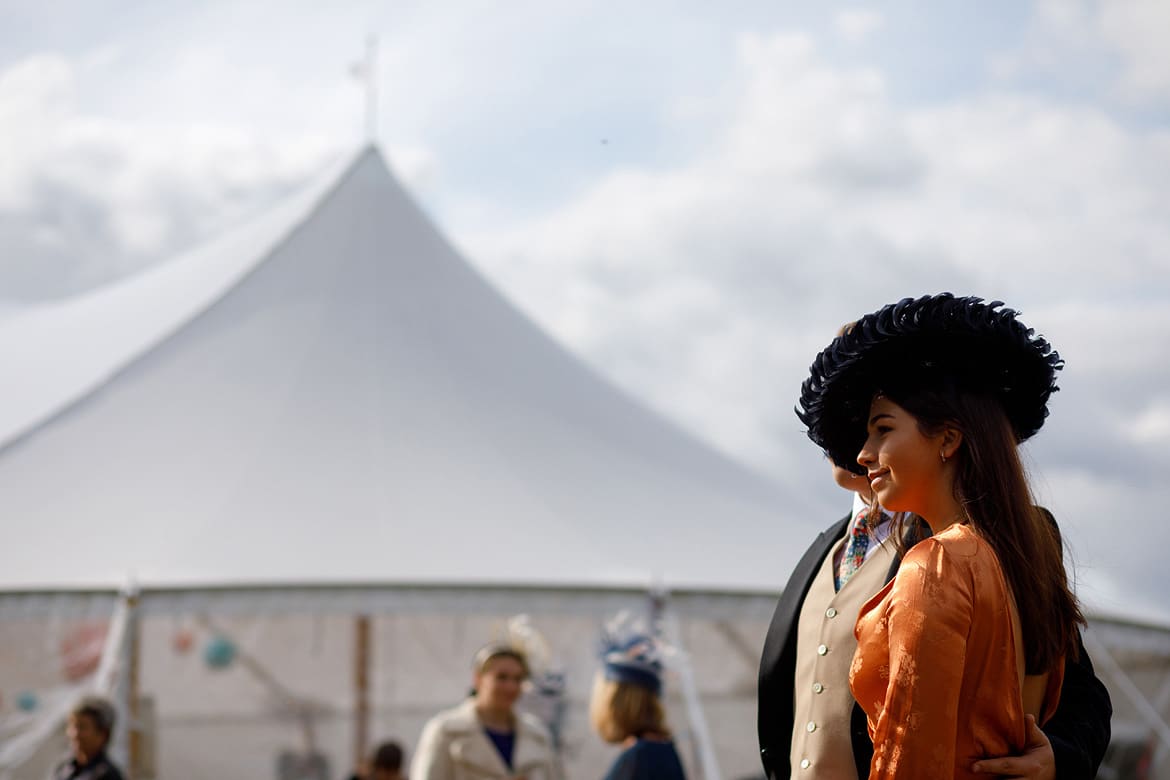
[[90, 725], [804, 671]]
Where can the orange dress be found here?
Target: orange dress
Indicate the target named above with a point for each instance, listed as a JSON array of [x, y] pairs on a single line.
[[936, 668]]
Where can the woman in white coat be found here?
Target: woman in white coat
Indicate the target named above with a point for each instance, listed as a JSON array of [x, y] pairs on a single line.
[[484, 737]]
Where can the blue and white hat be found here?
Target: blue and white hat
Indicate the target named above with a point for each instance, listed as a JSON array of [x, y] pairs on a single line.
[[630, 654]]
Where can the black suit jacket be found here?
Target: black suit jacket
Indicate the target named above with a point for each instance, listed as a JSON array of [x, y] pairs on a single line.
[[1079, 731]]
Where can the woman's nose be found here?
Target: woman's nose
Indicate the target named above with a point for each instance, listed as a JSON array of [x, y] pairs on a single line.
[[865, 457]]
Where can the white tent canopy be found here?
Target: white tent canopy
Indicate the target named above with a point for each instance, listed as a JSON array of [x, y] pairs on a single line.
[[333, 394]]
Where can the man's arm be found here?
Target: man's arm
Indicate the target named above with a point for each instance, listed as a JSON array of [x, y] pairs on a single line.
[[1079, 730], [1037, 762], [1072, 743]]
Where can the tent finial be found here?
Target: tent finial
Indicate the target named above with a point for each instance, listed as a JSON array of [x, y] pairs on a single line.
[[366, 71]]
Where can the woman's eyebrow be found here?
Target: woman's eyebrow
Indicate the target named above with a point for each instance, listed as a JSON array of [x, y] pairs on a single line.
[[879, 416]]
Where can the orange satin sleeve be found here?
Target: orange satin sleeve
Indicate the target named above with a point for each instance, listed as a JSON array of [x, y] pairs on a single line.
[[924, 626]]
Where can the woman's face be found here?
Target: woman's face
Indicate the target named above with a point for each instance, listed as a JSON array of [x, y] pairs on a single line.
[[905, 467], [499, 684]]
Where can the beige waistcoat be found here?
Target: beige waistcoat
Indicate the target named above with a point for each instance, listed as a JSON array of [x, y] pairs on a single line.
[[822, 703]]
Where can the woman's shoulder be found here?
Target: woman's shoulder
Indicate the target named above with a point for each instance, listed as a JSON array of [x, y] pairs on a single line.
[[657, 751], [957, 543], [935, 565], [648, 758], [456, 719]]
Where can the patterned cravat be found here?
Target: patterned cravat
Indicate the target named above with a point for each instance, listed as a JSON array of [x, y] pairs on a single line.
[[855, 548]]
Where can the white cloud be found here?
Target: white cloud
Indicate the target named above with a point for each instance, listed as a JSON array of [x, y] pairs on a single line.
[[856, 25], [1152, 424], [85, 197], [1109, 48], [36, 95], [1138, 29], [709, 287]]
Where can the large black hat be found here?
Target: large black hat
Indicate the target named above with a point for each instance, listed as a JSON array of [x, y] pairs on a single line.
[[935, 342]]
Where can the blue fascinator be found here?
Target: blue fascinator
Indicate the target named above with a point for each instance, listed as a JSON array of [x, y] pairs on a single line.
[[631, 654]]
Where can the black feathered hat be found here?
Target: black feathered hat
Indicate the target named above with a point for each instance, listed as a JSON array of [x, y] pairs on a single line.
[[936, 342]]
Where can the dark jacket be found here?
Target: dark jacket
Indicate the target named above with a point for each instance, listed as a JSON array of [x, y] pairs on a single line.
[[1079, 731], [98, 768]]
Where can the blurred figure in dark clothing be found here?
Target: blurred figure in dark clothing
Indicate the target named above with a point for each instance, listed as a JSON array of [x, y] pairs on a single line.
[[385, 763], [91, 722]]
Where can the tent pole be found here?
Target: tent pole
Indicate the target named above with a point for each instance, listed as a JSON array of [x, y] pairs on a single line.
[[361, 685], [708, 763], [133, 687]]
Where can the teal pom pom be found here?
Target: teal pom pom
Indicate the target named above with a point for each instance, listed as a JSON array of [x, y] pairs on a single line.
[[219, 652]]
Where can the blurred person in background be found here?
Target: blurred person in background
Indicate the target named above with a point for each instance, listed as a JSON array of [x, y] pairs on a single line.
[[485, 737], [385, 763], [90, 725], [626, 709]]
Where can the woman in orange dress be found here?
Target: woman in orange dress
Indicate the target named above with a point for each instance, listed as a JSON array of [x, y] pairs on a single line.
[[930, 398]]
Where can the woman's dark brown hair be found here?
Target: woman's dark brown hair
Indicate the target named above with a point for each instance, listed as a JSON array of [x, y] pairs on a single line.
[[991, 486]]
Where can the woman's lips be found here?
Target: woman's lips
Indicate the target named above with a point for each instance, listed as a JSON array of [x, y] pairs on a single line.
[[877, 479]]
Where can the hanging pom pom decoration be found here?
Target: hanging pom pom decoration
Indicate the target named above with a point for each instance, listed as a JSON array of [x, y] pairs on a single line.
[[219, 652], [27, 701], [182, 641], [81, 650]]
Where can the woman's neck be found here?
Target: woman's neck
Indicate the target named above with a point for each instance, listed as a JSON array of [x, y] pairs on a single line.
[[494, 718], [944, 512]]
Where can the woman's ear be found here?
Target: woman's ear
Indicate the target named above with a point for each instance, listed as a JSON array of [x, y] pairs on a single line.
[[951, 439]]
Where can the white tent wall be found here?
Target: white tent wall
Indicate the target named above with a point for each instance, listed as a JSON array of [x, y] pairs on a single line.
[[209, 723], [214, 723], [54, 649]]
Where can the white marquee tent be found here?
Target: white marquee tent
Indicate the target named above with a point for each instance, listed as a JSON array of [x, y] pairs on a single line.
[[328, 413], [335, 395], [325, 442]]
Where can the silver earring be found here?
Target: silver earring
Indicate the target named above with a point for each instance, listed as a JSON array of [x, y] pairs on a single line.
[[943, 455]]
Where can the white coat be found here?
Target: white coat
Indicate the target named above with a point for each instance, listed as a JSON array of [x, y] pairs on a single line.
[[453, 746]]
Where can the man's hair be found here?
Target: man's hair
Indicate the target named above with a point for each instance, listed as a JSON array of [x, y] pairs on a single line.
[[98, 710], [388, 756]]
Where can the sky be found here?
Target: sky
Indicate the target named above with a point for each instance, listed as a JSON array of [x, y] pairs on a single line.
[[692, 197]]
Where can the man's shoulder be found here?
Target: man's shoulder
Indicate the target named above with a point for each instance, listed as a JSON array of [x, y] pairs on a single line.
[[105, 770], [108, 772]]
